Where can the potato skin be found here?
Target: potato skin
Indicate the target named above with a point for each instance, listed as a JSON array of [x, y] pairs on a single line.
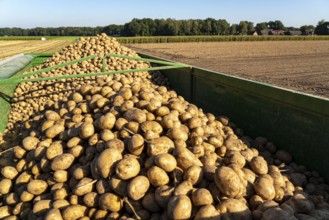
[[166, 161], [106, 161], [9, 172], [179, 207], [259, 165], [37, 187], [136, 144], [202, 197], [157, 176], [228, 182], [62, 162], [110, 202], [137, 187], [264, 187], [74, 212], [127, 168], [207, 212]]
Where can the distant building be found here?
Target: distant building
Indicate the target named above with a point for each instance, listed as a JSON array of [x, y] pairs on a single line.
[[276, 32], [253, 33], [264, 32], [308, 32], [293, 33]]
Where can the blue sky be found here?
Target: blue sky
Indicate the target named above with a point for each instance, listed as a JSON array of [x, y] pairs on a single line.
[[55, 13]]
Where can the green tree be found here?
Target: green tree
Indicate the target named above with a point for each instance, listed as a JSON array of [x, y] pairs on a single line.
[[276, 25], [243, 27], [234, 29], [322, 28], [306, 27], [261, 26]]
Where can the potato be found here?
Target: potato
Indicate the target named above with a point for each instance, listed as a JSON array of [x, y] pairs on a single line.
[[179, 207], [162, 111], [283, 156], [177, 134], [184, 188], [41, 207], [37, 187], [194, 174], [23, 178], [118, 186], [151, 126], [115, 144], [233, 144], [9, 172], [81, 171], [60, 176], [150, 203], [228, 182], [234, 209], [4, 212], [127, 168], [54, 130], [264, 187], [160, 145], [86, 130], [137, 187], [165, 161], [106, 121], [135, 114], [163, 194], [61, 204], [136, 144], [207, 212], [185, 158], [157, 176], [236, 158], [201, 197], [105, 163], [52, 115], [30, 143], [62, 162], [25, 196], [83, 187], [110, 202], [259, 165], [53, 214], [74, 212], [278, 214], [91, 199], [60, 194]]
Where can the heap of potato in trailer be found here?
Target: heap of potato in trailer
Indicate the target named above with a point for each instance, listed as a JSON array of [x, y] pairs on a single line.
[[125, 146]]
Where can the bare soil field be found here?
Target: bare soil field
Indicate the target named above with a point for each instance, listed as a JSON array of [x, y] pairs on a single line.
[[10, 48], [297, 65]]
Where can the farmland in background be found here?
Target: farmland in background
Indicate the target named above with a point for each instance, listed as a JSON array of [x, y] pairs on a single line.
[[13, 47], [297, 65]]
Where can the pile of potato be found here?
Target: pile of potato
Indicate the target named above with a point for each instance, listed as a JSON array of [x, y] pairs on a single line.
[[126, 147]]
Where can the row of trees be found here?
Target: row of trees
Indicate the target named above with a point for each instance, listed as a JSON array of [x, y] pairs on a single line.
[[165, 27]]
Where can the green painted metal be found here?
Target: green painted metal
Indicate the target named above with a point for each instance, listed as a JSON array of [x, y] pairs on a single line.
[[7, 90], [296, 122]]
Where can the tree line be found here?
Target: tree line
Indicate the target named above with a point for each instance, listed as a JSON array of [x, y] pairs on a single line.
[[166, 27]]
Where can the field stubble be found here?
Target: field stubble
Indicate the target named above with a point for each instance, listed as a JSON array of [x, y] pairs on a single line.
[[298, 65]]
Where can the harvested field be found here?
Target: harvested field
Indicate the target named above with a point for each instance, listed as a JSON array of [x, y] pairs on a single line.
[[298, 65], [10, 48]]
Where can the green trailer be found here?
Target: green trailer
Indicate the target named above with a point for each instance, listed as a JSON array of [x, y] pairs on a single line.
[[294, 121]]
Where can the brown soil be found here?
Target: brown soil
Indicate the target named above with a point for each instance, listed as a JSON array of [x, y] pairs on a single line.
[[11, 48], [298, 65]]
